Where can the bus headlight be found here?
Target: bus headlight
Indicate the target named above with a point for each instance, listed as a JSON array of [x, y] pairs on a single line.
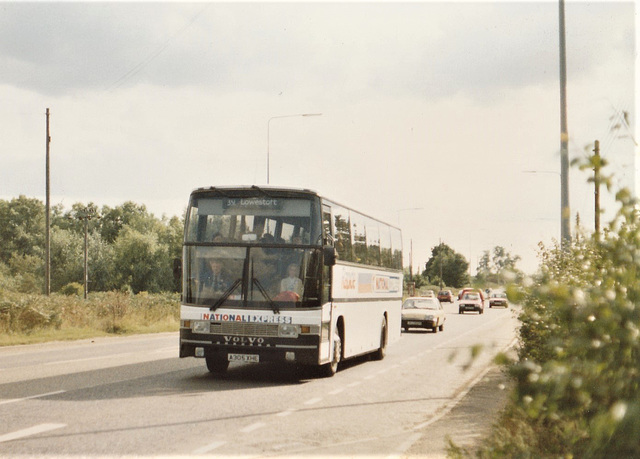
[[288, 331], [200, 326]]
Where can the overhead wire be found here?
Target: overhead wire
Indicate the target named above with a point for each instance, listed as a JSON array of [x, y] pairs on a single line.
[[142, 64]]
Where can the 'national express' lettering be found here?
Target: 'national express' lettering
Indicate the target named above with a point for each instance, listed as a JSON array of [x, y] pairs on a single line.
[[217, 317]]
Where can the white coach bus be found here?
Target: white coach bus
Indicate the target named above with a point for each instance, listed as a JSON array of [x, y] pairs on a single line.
[[275, 274]]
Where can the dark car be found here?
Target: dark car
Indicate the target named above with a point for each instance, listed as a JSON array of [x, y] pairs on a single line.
[[445, 296]]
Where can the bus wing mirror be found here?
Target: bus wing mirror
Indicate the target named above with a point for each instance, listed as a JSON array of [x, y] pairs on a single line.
[[329, 255]]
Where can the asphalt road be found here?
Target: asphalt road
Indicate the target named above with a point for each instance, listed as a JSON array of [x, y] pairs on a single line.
[[133, 396]]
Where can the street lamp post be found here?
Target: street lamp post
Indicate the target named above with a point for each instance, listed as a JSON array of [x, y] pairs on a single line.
[[565, 211], [269, 131]]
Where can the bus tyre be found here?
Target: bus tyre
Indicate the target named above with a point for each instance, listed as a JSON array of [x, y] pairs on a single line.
[[217, 365], [331, 368], [382, 350]]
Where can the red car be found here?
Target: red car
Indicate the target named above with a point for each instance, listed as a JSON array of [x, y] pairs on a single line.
[[498, 299], [445, 296]]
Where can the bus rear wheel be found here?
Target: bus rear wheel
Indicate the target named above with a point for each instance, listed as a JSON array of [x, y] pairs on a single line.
[[382, 350], [217, 365]]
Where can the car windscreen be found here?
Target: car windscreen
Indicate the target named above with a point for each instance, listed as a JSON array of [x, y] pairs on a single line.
[[420, 304]]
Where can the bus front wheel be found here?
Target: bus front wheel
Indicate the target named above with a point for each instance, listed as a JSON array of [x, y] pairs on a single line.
[[331, 368], [217, 365]]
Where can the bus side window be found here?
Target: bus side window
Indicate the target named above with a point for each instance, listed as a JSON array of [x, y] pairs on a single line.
[[326, 225]]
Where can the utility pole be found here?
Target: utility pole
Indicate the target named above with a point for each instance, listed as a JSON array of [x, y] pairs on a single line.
[[565, 212], [411, 260], [47, 243], [86, 257], [85, 216], [440, 260], [596, 181]]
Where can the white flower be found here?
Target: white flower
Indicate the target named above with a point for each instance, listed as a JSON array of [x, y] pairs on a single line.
[[618, 410]]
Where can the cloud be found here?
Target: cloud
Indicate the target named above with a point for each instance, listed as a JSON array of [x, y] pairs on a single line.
[[438, 106], [432, 50]]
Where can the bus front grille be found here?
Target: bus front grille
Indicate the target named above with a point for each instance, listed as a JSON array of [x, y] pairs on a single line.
[[244, 329]]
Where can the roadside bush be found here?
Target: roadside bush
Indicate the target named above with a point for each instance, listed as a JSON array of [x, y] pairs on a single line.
[[72, 288], [33, 318], [577, 391]]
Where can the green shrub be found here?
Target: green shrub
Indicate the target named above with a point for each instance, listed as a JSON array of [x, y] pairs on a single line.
[[72, 288], [577, 376]]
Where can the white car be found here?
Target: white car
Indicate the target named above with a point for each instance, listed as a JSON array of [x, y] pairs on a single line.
[[423, 312], [471, 301]]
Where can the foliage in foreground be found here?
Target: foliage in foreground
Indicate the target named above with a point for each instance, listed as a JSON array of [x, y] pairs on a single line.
[[28, 318], [577, 377]]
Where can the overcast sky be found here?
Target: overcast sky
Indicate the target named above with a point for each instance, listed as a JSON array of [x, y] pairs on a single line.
[[431, 112]]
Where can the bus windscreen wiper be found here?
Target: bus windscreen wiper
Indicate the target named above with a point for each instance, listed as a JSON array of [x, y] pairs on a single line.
[[227, 293], [274, 306]]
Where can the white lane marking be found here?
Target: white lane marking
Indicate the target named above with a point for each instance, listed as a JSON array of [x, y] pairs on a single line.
[[252, 427], [30, 431], [112, 356], [313, 401], [336, 391], [210, 447], [15, 400], [287, 412], [370, 377], [354, 384]]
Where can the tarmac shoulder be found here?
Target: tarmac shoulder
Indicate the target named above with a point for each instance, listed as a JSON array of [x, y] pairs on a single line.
[[468, 422]]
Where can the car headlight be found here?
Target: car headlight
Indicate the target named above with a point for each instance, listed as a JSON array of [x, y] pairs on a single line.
[[288, 331], [200, 326]]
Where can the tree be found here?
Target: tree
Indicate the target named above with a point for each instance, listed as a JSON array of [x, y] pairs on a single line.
[[22, 223], [126, 246], [498, 267], [447, 266], [141, 262], [128, 214]]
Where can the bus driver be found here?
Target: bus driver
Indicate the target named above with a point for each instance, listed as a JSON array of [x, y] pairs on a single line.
[[292, 283]]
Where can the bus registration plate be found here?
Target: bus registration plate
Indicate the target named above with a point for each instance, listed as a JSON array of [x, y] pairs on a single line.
[[244, 358]]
